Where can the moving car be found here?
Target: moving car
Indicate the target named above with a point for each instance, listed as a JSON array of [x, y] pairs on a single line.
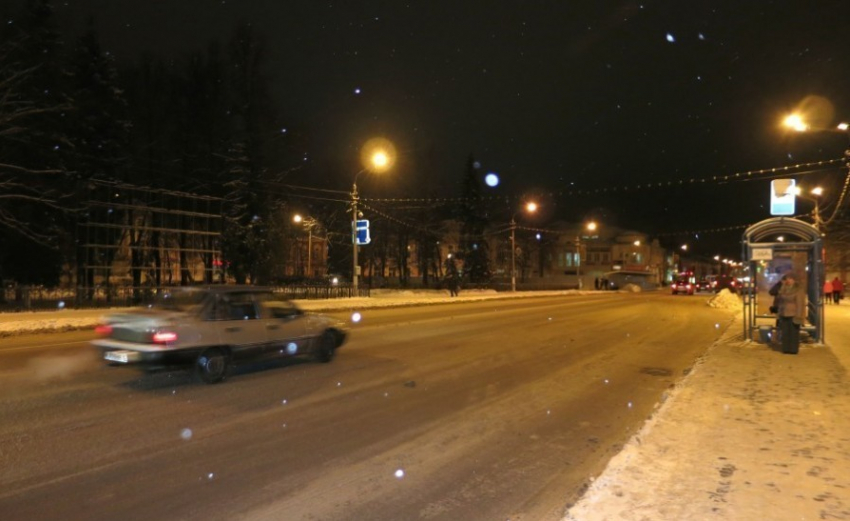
[[209, 328], [726, 282], [682, 285]]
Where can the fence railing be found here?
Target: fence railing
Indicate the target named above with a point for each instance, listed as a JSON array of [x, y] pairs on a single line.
[[39, 298]]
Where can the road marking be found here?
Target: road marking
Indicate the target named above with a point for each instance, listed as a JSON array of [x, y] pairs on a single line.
[[40, 346]]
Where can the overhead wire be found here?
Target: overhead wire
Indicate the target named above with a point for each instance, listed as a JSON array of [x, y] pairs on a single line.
[[765, 173], [717, 179]]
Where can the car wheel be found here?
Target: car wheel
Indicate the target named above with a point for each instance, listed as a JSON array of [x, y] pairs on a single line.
[[212, 365], [326, 348]]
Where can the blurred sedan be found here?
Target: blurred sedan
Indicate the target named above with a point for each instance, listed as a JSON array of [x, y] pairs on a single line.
[[208, 329]]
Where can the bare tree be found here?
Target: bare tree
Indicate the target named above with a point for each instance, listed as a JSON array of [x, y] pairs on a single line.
[[22, 184]]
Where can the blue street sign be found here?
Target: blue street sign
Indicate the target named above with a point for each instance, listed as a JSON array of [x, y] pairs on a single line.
[[362, 232]]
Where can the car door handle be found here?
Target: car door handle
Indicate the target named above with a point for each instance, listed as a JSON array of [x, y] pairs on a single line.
[[232, 329], [272, 327]]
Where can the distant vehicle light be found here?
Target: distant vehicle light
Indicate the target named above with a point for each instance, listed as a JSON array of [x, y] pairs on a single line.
[[164, 337]]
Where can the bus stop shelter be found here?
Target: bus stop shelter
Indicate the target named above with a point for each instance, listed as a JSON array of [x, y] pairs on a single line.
[[770, 249]]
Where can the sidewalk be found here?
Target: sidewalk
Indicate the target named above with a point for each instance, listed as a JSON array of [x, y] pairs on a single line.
[[750, 434]]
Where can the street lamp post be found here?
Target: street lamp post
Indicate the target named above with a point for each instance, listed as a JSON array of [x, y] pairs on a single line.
[[513, 253], [591, 226], [815, 198], [798, 123], [308, 223], [377, 155], [578, 261], [355, 266], [530, 208], [817, 192]]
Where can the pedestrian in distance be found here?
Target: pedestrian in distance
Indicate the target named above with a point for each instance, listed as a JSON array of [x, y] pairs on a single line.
[[827, 292], [454, 285], [596, 283], [452, 278], [837, 290], [791, 309]]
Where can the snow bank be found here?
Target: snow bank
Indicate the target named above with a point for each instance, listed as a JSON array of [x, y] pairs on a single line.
[[725, 299]]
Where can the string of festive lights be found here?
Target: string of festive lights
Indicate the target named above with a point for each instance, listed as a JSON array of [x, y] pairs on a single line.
[[718, 179], [719, 229], [409, 225], [841, 197], [430, 202]]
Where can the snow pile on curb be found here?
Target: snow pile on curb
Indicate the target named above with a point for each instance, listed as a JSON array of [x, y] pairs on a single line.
[[631, 288], [725, 299], [41, 326]]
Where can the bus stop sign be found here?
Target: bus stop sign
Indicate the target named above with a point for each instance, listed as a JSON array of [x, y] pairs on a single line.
[[361, 232], [783, 194]]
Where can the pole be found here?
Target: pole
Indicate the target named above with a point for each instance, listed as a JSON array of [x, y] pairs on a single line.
[[513, 254], [578, 261], [310, 251], [817, 215], [354, 272]]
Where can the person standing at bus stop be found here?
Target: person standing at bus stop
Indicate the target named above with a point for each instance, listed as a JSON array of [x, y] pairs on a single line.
[[791, 310], [837, 290]]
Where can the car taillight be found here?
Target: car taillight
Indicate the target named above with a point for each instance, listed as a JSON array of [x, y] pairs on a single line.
[[164, 337], [103, 330]]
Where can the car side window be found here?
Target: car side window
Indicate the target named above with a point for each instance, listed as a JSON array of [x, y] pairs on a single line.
[[236, 307], [281, 309]]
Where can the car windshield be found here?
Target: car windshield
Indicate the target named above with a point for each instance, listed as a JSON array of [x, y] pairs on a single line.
[[178, 300]]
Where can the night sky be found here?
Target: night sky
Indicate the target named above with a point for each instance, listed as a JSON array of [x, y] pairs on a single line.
[[571, 99]]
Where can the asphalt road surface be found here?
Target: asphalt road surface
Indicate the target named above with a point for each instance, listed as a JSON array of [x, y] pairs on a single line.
[[491, 410]]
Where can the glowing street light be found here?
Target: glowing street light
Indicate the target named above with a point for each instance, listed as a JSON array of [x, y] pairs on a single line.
[[530, 207], [377, 155], [795, 122], [815, 198], [309, 223]]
